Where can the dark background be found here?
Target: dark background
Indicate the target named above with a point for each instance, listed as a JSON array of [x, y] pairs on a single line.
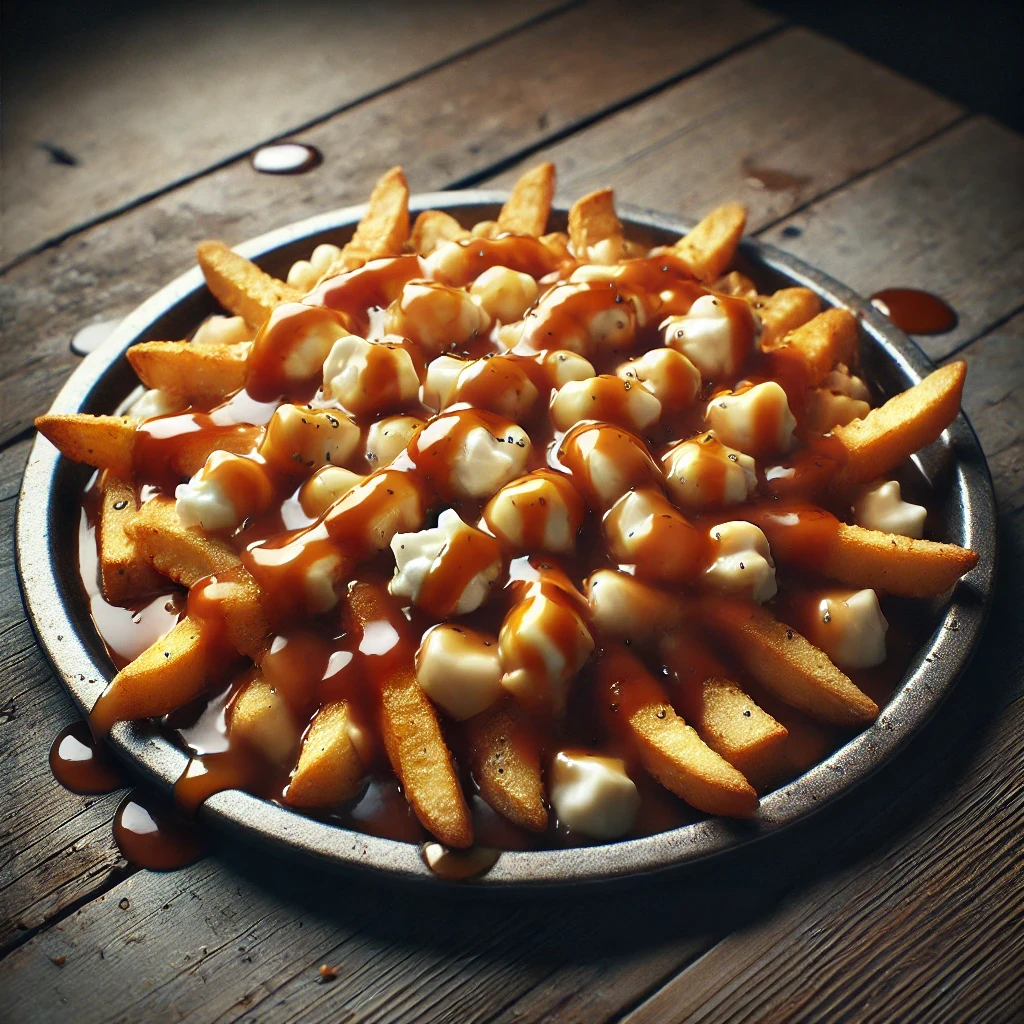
[[970, 52]]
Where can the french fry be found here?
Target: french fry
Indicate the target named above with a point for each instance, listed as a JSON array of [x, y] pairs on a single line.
[[726, 718], [433, 227], [410, 730], [738, 285], [384, 229], [240, 286], [198, 373], [592, 221], [667, 747], [261, 718], [709, 248], [879, 442], [827, 339], [786, 663], [124, 570], [529, 204], [329, 770], [785, 311], [505, 757], [108, 442], [484, 229]]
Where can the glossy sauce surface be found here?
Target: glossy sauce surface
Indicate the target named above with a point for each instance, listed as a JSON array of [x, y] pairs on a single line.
[[915, 311], [79, 762], [151, 835]]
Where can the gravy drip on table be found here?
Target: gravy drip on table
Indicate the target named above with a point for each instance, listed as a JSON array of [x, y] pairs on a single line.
[[915, 311], [80, 763], [315, 657], [152, 835]]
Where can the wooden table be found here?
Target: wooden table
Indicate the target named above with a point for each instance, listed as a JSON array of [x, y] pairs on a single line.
[[903, 902]]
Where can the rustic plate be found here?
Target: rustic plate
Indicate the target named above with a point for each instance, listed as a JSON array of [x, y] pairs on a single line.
[[47, 560]]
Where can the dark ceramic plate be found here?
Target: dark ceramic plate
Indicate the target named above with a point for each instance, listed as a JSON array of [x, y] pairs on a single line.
[[963, 513]]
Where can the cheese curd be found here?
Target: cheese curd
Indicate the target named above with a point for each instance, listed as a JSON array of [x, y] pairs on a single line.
[[704, 473], [850, 628], [155, 403], [538, 512], [304, 274], [562, 366], [583, 316], [667, 374], [593, 795], [879, 506], [319, 582], [439, 383], [499, 384], [742, 562], [325, 487], [224, 492], [716, 335], [755, 420], [292, 345], [369, 377], [604, 462], [624, 608], [366, 518], [841, 399], [435, 316], [448, 570], [387, 438], [459, 669], [607, 398], [504, 294], [299, 438], [483, 462], [223, 330]]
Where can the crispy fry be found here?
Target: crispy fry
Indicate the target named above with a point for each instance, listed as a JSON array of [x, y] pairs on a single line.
[[106, 442], [906, 423], [670, 749], [240, 286], [709, 248], [827, 339], [198, 373], [384, 229], [737, 284], [410, 729], [433, 227], [786, 663], [484, 229], [592, 222], [329, 769], [785, 311], [505, 759], [261, 718], [124, 570], [529, 204]]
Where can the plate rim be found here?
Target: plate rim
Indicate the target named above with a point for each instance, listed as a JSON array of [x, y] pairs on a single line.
[[933, 672]]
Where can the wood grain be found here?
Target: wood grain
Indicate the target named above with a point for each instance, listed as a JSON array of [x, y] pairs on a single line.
[[457, 120], [177, 105]]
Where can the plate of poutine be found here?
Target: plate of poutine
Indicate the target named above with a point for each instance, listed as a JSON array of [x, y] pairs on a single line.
[[466, 536]]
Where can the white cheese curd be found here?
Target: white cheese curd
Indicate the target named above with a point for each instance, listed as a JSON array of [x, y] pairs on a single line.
[[593, 795], [483, 463], [742, 561], [223, 330], [705, 335], [364, 519], [755, 420], [645, 530], [226, 490], [606, 398], [539, 511], [436, 316], [879, 506], [155, 403], [667, 374], [304, 274], [318, 584], [325, 487], [459, 669], [543, 644], [605, 253], [841, 382], [299, 438], [386, 439], [826, 409], [368, 378], [204, 503], [445, 263], [563, 366], [498, 384], [439, 384], [504, 294], [419, 554], [624, 608], [704, 473], [850, 628], [605, 462]]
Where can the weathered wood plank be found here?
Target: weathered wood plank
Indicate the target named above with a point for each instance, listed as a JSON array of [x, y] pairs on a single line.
[[455, 121], [948, 217], [800, 111], [173, 77]]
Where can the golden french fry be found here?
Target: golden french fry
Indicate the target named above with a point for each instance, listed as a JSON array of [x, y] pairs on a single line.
[[709, 248], [410, 729], [827, 339], [106, 442], [384, 229], [593, 222], [529, 204], [433, 227], [670, 749], [198, 373], [484, 229], [329, 770], [260, 717], [785, 311], [906, 423], [557, 242], [786, 663], [240, 286], [505, 757], [738, 285], [124, 570]]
